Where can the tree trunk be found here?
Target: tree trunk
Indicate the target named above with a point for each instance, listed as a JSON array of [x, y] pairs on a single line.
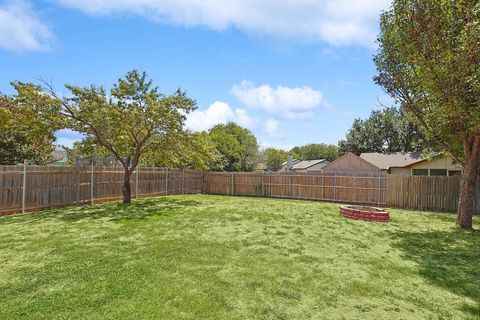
[[127, 193], [468, 183]]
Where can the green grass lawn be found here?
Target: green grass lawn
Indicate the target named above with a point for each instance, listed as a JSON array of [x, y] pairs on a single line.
[[215, 257]]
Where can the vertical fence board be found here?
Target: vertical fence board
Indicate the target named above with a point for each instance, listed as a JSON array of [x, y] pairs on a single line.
[[424, 193]]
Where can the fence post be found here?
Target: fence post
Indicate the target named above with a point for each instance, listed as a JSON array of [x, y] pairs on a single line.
[[292, 193], [323, 187], [244, 185], [24, 185], [183, 179], [78, 181], [91, 183], [335, 185], [233, 186], [379, 191], [270, 185], [204, 183], [263, 184], [166, 181], [136, 181]]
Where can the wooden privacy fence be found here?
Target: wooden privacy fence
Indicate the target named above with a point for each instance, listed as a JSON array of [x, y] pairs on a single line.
[[24, 188], [322, 186], [400, 191], [426, 193]]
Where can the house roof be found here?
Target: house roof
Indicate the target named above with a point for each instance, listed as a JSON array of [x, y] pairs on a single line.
[[398, 159], [307, 164], [346, 155], [294, 161]]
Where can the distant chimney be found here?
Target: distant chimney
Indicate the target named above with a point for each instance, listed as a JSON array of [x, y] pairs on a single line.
[[289, 162]]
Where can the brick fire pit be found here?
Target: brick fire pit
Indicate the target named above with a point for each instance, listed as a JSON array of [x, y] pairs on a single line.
[[365, 213]]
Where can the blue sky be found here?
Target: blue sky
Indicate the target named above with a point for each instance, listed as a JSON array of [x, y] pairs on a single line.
[[294, 74]]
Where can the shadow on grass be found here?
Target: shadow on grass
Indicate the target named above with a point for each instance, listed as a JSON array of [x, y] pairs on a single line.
[[116, 211], [448, 259]]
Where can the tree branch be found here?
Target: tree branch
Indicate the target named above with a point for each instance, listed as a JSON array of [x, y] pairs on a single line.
[[447, 147]]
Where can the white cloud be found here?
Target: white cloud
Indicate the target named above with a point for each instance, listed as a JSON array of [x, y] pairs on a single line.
[[243, 119], [271, 128], [338, 22], [267, 144], [21, 30], [218, 112], [291, 103]]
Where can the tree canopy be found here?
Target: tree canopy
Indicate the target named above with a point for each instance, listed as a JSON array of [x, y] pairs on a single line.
[[27, 126], [315, 151], [194, 150], [237, 147], [131, 120], [385, 131], [429, 62], [274, 158]]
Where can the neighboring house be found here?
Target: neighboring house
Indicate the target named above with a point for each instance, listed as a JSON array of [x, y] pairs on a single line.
[[310, 165], [412, 163], [400, 163], [438, 166], [60, 155], [351, 164], [284, 165], [305, 166], [390, 162]]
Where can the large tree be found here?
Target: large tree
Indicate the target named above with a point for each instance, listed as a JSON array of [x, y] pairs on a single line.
[[27, 126], [185, 149], [274, 158], [429, 62], [237, 146], [193, 150], [315, 151], [385, 131], [129, 121]]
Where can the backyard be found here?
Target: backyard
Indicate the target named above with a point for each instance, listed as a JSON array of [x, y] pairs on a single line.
[[218, 257]]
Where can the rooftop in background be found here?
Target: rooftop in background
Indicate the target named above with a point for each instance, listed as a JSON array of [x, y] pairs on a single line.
[[398, 159], [294, 161], [307, 164]]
